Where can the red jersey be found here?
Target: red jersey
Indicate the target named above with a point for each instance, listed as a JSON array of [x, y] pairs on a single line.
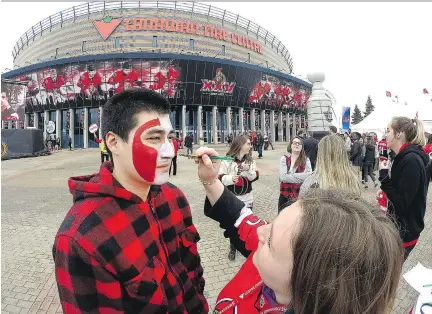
[[176, 146], [85, 82], [382, 149], [258, 91], [246, 293], [50, 85], [161, 79], [124, 81], [428, 149]]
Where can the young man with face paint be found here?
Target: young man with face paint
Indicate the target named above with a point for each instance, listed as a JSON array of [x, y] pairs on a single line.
[[128, 244]]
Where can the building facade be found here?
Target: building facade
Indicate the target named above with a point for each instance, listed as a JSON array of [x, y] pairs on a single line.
[[221, 73]]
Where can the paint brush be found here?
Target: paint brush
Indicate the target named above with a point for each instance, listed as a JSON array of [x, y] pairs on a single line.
[[211, 157]]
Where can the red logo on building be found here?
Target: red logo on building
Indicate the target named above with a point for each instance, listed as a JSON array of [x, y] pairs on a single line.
[[107, 26], [219, 85]]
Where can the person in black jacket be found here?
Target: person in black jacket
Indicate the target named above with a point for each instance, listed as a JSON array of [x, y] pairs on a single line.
[[406, 184], [188, 143], [356, 153], [310, 146], [368, 163]]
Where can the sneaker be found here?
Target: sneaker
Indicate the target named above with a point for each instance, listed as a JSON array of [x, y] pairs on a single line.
[[232, 253]]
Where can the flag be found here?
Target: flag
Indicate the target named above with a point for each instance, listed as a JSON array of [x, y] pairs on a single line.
[[425, 91], [388, 94]]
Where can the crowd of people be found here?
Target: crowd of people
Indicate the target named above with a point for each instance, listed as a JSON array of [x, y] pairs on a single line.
[[129, 245]]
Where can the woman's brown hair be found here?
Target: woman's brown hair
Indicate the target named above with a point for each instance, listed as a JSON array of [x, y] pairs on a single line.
[[348, 257], [236, 146], [301, 160], [412, 128]]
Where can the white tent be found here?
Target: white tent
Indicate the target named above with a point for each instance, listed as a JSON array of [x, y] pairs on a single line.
[[378, 120]]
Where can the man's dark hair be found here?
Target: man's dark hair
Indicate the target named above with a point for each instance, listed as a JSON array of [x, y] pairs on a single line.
[[333, 129], [119, 112], [301, 132]]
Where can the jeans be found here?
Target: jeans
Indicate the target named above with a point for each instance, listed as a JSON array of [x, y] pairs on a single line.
[[367, 170], [260, 148], [189, 150]]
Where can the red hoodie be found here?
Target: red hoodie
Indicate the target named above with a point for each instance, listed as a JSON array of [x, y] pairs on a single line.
[[246, 293], [115, 253]]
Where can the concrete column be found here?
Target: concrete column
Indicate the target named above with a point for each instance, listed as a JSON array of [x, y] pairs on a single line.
[[241, 121], [272, 126], [183, 121], [46, 119], [294, 127], [252, 120], [26, 120], [199, 124], [36, 120], [86, 126], [9, 124], [58, 123], [100, 122], [263, 122], [287, 127], [72, 125], [228, 120], [280, 126], [214, 125]]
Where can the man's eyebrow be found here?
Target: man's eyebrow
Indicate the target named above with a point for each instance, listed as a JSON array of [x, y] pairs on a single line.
[[156, 130]]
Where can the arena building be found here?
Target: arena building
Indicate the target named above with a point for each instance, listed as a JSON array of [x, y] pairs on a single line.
[[222, 74]]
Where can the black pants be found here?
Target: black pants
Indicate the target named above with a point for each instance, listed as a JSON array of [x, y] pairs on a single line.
[[104, 157], [367, 170], [173, 165], [407, 251]]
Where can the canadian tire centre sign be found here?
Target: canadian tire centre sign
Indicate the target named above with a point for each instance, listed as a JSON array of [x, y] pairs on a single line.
[[108, 25]]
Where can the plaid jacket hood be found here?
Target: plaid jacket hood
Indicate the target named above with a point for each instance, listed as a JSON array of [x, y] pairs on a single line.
[[102, 184], [116, 253]]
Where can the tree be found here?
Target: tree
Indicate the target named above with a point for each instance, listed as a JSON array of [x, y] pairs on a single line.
[[356, 116], [369, 108]]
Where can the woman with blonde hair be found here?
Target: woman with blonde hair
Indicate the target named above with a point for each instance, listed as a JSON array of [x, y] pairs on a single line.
[[238, 175], [333, 169], [406, 184]]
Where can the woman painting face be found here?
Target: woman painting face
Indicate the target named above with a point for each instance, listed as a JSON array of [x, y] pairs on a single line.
[[274, 256], [296, 145]]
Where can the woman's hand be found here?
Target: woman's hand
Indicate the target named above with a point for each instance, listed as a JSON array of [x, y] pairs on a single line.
[[207, 169], [383, 165]]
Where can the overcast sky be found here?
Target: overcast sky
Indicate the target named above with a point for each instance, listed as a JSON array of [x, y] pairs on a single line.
[[363, 48]]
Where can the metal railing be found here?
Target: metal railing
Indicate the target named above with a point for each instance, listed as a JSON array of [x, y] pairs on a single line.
[[89, 8]]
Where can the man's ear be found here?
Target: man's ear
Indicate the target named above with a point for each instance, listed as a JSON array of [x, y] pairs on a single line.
[[112, 142]]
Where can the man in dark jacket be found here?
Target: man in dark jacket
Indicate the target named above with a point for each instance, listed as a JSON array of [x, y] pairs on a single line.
[[356, 153], [128, 244], [260, 143], [310, 146], [188, 143]]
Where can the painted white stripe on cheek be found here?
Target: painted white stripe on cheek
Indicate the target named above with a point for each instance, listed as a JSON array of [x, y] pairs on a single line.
[[166, 150]]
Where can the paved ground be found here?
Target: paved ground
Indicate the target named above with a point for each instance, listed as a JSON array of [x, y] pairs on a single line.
[[35, 198]]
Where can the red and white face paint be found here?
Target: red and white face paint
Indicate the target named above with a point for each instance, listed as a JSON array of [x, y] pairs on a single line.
[[146, 159]]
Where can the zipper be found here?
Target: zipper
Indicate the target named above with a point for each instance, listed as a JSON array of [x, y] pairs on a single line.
[[165, 250]]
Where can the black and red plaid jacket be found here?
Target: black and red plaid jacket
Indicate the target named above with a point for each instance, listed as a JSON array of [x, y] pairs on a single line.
[[291, 190], [115, 253]]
